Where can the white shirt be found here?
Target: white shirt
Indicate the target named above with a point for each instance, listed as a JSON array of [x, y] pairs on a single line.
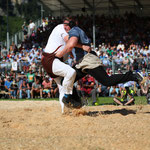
[[129, 84], [56, 39], [32, 25], [14, 66], [43, 24], [120, 46]]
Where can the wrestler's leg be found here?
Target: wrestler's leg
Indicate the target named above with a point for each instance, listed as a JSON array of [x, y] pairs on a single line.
[[79, 74], [61, 92], [101, 76], [63, 70]]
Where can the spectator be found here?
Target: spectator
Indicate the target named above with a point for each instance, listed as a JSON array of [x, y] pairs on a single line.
[[30, 77], [126, 63], [118, 62], [87, 88], [120, 46], [103, 91], [25, 30], [135, 65], [31, 27], [54, 88], [4, 52], [146, 89], [113, 91], [46, 87], [44, 24], [99, 89], [13, 90], [127, 97], [78, 88], [7, 84], [36, 88], [2, 88], [144, 73], [24, 91]]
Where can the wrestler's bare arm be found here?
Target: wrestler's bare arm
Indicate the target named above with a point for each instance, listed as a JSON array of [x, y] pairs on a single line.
[[84, 47], [79, 45], [66, 38], [72, 42]]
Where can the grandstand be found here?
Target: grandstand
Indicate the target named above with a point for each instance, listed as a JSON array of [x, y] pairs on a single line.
[[109, 7], [121, 40], [30, 112]]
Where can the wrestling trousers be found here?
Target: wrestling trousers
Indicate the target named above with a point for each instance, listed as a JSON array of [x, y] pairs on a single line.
[[101, 76]]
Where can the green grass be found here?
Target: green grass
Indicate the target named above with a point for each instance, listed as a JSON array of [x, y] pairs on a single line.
[[109, 100], [139, 100]]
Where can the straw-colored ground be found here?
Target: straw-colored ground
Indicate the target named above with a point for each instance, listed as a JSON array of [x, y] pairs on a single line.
[[39, 125]]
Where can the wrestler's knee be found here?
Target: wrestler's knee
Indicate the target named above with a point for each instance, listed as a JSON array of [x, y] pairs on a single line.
[[71, 73]]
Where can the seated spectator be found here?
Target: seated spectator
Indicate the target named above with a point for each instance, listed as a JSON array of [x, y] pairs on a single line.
[[26, 61], [30, 77], [113, 91], [54, 89], [135, 65], [36, 89], [102, 90], [46, 87], [119, 71], [126, 63], [118, 62], [127, 97], [78, 88], [13, 90], [120, 46], [144, 73], [2, 88], [88, 89], [146, 89], [7, 84], [24, 91]]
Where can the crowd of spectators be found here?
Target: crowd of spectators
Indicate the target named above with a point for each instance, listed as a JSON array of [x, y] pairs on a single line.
[[122, 43], [20, 85]]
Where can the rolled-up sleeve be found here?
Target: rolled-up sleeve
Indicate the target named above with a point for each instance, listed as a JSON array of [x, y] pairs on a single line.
[[74, 33]]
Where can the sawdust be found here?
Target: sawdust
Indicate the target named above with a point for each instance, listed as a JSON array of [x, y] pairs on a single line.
[[39, 125]]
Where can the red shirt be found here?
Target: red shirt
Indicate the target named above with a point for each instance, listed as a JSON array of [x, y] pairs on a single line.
[[85, 82]]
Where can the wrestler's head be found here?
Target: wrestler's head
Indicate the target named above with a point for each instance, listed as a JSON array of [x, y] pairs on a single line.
[[68, 23]]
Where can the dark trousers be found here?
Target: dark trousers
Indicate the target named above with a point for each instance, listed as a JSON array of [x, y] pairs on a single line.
[[101, 76]]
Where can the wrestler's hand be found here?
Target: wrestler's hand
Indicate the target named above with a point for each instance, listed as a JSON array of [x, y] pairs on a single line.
[[86, 48], [71, 55]]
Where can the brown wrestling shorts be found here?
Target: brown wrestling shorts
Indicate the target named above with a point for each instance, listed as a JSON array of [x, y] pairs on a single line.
[[47, 61]]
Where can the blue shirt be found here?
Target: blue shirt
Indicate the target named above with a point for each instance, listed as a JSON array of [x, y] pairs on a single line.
[[82, 38], [7, 84]]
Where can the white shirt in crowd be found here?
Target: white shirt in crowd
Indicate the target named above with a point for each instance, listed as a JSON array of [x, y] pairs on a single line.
[[120, 46], [32, 26]]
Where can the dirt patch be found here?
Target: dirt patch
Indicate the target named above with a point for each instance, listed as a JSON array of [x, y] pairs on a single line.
[[39, 125]]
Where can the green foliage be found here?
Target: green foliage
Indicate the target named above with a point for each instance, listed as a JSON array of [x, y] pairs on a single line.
[[14, 25], [27, 11]]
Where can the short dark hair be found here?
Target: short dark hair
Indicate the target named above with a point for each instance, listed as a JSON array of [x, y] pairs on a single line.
[[71, 20]]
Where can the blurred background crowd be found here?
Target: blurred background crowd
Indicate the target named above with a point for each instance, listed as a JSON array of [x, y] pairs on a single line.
[[122, 43]]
